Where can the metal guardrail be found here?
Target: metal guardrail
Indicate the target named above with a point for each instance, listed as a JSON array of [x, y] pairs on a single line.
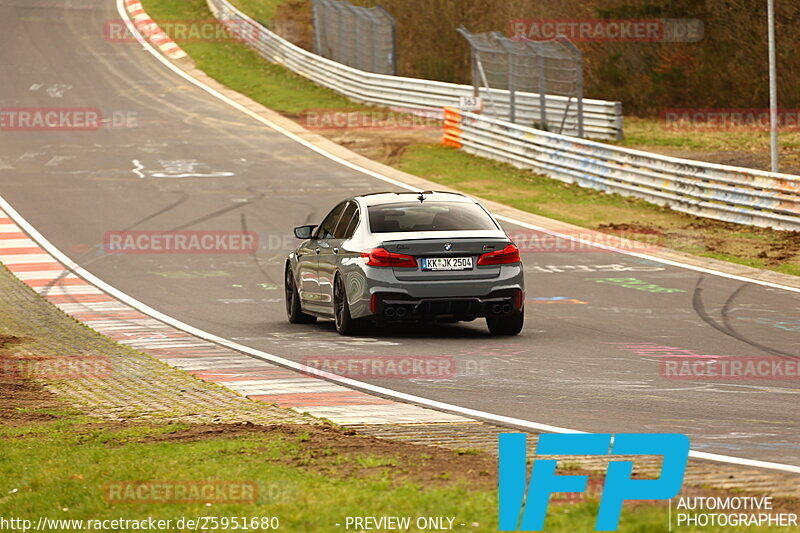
[[602, 119], [733, 194]]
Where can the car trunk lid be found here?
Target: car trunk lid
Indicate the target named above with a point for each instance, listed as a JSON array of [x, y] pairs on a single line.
[[446, 248]]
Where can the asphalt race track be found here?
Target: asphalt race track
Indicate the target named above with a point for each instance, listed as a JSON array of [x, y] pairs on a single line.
[[588, 358]]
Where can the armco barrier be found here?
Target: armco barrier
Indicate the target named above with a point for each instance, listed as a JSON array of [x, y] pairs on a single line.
[[721, 192], [602, 119]]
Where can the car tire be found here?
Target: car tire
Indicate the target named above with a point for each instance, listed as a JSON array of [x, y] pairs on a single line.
[[506, 325], [293, 310], [345, 323]]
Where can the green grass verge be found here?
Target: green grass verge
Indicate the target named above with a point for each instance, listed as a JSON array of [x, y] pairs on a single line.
[[263, 11], [238, 67], [243, 70], [651, 132], [61, 470]]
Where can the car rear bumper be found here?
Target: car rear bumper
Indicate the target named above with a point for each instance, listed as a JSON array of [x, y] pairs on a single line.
[[390, 306], [387, 298]]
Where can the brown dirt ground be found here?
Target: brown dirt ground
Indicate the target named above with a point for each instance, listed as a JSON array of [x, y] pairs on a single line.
[[384, 146], [775, 248], [293, 22], [21, 400], [335, 452]]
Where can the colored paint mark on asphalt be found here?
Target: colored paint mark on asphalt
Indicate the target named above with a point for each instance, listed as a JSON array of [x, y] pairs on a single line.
[[787, 325], [661, 351], [195, 274], [556, 300], [635, 284]]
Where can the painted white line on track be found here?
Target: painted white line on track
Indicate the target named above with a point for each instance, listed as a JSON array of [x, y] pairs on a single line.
[[473, 413]]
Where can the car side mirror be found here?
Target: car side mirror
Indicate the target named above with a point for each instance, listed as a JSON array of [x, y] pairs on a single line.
[[304, 232]]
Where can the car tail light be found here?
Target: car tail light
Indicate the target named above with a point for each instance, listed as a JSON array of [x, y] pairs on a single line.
[[380, 257], [509, 254]]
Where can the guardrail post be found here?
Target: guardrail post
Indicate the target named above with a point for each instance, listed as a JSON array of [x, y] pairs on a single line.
[[316, 7], [393, 53], [512, 90], [580, 103], [542, 91], [358, 15]]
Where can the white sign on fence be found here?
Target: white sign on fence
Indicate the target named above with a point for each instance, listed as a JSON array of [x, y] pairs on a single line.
[[472, 104]]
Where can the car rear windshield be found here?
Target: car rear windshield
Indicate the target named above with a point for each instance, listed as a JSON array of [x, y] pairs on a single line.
[[429, 216]]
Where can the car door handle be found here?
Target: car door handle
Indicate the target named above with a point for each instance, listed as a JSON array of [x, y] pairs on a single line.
[[336, 250], [316, 251]]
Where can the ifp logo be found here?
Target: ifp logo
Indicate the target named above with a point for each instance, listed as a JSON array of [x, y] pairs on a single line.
[[619, 485]]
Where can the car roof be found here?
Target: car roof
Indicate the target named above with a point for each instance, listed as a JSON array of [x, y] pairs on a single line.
[[398, 197]]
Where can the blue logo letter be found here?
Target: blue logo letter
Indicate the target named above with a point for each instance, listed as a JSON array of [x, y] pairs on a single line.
[[514, 516]]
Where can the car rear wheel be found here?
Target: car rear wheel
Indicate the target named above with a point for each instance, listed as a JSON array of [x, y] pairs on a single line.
[[293, 309], [345, 323], [506, 325]]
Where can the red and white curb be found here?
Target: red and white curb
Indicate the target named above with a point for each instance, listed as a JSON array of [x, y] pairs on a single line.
[[254, 378], [152, 31]]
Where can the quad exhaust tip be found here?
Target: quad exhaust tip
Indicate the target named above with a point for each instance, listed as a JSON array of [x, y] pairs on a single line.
[[402, 311], [398, 312]]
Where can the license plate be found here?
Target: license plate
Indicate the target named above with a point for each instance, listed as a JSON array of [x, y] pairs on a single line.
[[447, 263]]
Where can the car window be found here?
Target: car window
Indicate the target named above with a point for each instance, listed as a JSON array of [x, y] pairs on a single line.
[[351, 228], [340, 232], [429, 216], [325, 230]]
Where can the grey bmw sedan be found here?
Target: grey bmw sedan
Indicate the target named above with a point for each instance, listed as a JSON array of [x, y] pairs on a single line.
[[429, 256]]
